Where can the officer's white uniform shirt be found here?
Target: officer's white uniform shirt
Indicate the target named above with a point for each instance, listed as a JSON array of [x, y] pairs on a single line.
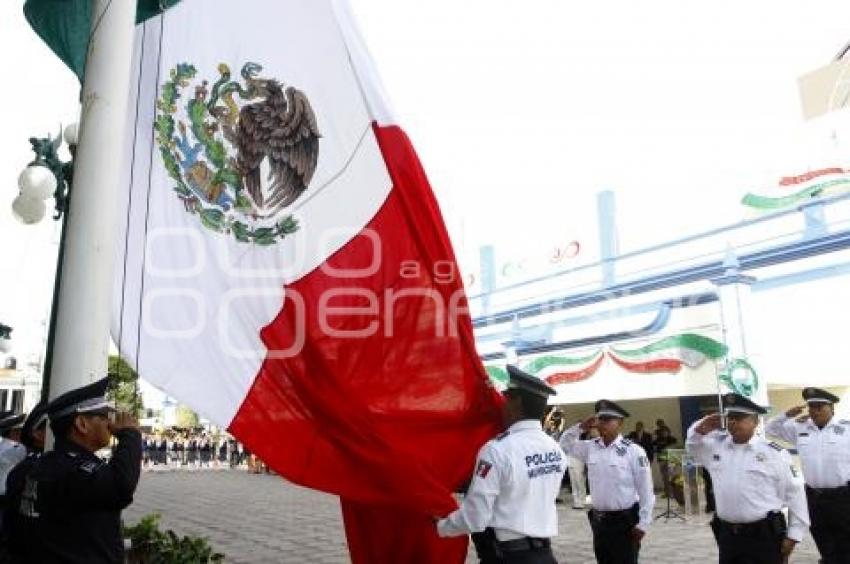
[[824, 453], [619, 473], [750, 480], [517, 478], [10, 454]]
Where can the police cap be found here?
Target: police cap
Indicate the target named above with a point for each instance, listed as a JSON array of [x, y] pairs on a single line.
[[816, 395], [90, 398], [607, 408], [10, 420], [736, 403], [34, 420], [525, 382]]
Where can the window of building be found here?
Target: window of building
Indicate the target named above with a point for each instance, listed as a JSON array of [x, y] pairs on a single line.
[[17, 401]]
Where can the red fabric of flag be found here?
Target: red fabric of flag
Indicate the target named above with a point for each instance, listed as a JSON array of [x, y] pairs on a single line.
[[386, 402]]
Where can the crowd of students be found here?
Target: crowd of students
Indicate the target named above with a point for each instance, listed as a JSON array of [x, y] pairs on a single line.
[[179, 448]]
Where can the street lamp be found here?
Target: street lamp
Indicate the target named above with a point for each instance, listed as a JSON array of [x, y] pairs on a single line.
[[47, 175], [5, 338]]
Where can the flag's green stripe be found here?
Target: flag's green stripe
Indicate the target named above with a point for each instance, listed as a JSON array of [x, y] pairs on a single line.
[[65, 26], [543, 362], [767, 203], [707, 346], [497, 374]]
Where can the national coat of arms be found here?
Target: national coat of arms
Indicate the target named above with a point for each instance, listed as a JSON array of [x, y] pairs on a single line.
[[241, 152]]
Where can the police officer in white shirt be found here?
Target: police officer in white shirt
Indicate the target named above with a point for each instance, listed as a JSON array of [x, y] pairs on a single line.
[[753, 479], [11, 452], [823, 442], [510, 505], [620, 484]]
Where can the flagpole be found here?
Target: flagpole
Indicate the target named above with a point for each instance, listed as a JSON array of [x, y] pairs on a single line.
[[81, 344]]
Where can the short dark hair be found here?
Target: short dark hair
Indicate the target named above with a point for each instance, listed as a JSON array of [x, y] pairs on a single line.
[[62, 426], [533, 405]]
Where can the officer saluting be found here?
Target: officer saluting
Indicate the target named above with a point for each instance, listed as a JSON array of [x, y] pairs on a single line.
[[71, 499], [620, 484], [510, 503], [823, 443], [753, 479]]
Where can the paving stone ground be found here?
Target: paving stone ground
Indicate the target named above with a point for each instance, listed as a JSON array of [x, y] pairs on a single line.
[[264, 519]]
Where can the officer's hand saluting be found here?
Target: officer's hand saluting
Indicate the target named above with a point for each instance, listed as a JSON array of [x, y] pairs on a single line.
[[122, 420], [795, 411], [709, 424], [589, 423]]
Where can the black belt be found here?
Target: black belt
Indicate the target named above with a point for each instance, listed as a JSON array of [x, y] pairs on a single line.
[[831, 492], [523, 544], [756, 528]]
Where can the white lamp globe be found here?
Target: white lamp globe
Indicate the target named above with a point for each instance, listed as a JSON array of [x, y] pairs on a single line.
[[5, 345], [28, 210], [72, 134], [37, 182]]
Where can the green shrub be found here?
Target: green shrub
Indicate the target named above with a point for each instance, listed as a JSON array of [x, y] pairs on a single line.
[[150, 545]]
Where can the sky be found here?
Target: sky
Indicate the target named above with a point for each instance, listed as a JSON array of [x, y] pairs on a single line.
[[521, 112]]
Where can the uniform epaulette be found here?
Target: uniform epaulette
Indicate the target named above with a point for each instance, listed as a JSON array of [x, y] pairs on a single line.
[[627, 442], [501, 436], [775, 446], [844, 422]]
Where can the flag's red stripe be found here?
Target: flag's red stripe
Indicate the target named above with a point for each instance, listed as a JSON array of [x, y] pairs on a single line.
[[392, 419], [661, 365], [576, 376], [812, 174]]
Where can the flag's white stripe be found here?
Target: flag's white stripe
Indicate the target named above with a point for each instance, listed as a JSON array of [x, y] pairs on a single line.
[[207, 296]]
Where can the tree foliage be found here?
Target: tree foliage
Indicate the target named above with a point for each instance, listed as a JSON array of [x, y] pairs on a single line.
[[124, 386], [186, 417]]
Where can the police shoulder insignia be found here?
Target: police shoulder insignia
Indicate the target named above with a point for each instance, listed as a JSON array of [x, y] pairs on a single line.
[[844, 422], [89, 466], [775, 446], [643, 461], [501, 436], [627, 442], [838, 430], [483, 468]]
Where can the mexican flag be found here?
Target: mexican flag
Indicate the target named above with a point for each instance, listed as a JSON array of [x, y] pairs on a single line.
[[797, 189], [285, 271], [669, 354]]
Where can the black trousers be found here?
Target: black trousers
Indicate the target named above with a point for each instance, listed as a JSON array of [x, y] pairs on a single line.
[[612, 536], [829, 511], [759, 546], [536, 556]]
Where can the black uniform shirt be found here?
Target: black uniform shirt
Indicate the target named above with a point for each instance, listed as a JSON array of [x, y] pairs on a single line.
[[78, 499]]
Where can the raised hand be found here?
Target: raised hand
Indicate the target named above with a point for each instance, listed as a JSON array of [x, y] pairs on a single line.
[[709, 424]]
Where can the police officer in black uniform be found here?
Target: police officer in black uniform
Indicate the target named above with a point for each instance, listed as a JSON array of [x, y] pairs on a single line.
[[15, 537], [71, 499]]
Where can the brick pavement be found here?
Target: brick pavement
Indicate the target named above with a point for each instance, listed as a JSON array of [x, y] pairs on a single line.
[[263, 519]]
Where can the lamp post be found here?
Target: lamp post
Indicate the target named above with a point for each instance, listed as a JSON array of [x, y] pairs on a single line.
[[5, 338], [47, 175]]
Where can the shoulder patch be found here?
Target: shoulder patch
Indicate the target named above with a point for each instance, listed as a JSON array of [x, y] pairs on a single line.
[[501, 436], [775, 446], [89, 466]]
